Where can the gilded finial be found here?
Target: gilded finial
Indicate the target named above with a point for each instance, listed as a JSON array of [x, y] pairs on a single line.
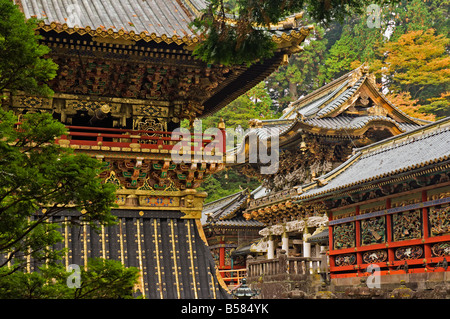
[[221, 125]]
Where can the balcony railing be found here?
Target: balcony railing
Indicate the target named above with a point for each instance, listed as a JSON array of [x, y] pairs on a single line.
[[140, 139], [284, 265], [233, 277]]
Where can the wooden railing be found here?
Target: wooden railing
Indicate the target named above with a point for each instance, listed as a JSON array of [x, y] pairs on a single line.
[[284, 265], [112, 137], [233, 277]]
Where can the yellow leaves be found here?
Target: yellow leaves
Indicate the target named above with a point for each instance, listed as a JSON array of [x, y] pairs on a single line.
[[418, 57], [443, 99], [355, 64], [409, 106]]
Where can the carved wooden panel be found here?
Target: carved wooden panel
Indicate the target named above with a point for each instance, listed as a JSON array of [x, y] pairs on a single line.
[[344, 236], [407, 225], [409, 252], [439, 221], [373, 230], [441, 249], [375, 256], [345, 260]]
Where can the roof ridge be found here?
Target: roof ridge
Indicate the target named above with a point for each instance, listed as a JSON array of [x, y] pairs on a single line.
[[423, 129], [408, 140], [223, 198], [356, 85], [326, 86]]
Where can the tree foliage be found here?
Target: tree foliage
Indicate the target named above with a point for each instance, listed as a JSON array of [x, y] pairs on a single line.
[[256, 103], [102, 279], [22, 65], [304, 73], [40, 179], [240, 35], [349, 44], [336, 47], [409, 106], [417, 63], [226, 183]]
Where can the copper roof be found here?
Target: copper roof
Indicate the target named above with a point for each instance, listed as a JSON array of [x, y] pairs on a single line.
[[134, 19], [149, 20], [227, 212], [427, 145], [324, 112]]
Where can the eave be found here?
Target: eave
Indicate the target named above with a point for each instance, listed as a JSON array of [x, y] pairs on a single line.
[[422, 167]]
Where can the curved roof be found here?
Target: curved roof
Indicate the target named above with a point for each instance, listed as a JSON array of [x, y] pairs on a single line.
[[225, 212], [151, 20], [415, 149], [148, 20], [326, 112], [328, 100]]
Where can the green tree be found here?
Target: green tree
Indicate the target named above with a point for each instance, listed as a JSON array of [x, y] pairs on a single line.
[[351, 43], [417, 63], [255, 104], [303, 74], [22, 66], [100, 280], [414, 15], [226, 183], [38, 180], [358, 43], [245, 40]]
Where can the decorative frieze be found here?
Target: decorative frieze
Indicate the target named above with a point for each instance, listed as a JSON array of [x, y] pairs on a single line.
[[295, 226], [408, 252], [406, 200], [375, 256], [31, 102], [372, 207]]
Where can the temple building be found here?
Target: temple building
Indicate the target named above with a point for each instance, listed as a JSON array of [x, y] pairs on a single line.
[[317, 133], [364, 185], [321, 136], [126, 79], [382, 214], [229, 234], [388, 208]]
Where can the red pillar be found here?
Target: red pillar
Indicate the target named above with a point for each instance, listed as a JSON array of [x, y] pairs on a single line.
[[359, 260], [222, 255], [426, 234], [391, 256], [330, 240]]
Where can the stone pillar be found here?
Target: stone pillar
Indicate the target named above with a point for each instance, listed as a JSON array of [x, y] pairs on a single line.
[[285, 243], [270, 248], [306, 247], [323, 260]]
